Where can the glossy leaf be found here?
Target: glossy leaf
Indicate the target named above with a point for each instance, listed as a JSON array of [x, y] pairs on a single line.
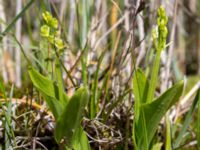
[[49, 90], [44, 84], [154, 111], [140, 89], [71, 117]]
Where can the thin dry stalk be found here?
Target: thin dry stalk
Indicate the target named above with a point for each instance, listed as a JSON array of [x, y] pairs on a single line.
[[171, 48], [190, 94], [17, 51], [4, 46], [109, 31], [63, 7], [181, 41], [71, 20], [96, 22], [140, 24]]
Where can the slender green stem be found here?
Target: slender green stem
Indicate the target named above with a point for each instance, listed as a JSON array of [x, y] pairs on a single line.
[[65, 69], [94, 97], [22, 50], [134, 137], [154, 77], [168, 132]]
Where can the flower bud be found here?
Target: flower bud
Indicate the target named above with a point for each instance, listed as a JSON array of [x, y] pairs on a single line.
[[59, 43], [47, 17], [54, 23], [45, 31]]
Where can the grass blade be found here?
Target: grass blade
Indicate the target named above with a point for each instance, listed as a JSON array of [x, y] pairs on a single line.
[[198, 123], [17, 17], [186, 122], [94, 95]]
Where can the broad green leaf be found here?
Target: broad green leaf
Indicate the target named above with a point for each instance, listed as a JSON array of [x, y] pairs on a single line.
[[80, 140], [43, 84], [154, 111], [47, 86], [49, 90], [71, 117], [140, 88]]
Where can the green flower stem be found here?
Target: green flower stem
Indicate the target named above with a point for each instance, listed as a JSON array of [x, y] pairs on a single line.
[[22, 50], [65, 69], [154, 77], [159, 35]]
